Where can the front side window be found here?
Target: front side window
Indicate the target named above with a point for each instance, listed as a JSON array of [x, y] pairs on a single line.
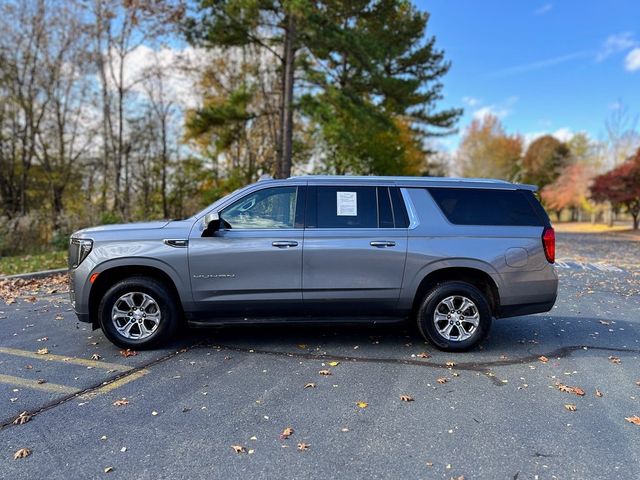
[[270, 208]]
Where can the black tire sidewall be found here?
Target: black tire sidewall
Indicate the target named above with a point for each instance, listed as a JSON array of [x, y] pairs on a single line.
[[434, 297], [162, 296]]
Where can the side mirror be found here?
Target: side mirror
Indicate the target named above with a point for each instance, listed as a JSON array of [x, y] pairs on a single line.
[[211, 224]]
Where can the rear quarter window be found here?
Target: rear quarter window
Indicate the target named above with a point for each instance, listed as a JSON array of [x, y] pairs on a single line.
[[469, 206]]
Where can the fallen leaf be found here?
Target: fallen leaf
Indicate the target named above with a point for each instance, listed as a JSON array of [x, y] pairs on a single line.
[[429, 464], [571, 407], [333, 364], [450, 364], [598, 393], [455, 374], [23, 418], [302, 346], [59, 317], [442, 380], [406, 398], [154, 413], [344, 429], [40, 381], [362, 404], [30, 299], [303, 446], [604, 322], [42, 351], [286, 433], [128, 353], [423, 355], [635, 419], [28, 367], [310, 385], [543, 359], [22, 453], [121, 402], [567, 389], [95, 356], [614, 360], [239, 449], [108, 470], [638, 383], [325, 372]]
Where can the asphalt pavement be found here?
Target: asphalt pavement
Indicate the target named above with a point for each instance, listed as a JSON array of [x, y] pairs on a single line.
[[499, 412]]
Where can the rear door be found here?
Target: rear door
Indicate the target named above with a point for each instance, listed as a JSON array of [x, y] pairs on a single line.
[[355, 246]]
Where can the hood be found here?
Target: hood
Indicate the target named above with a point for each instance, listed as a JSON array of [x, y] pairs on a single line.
[[120, 227]]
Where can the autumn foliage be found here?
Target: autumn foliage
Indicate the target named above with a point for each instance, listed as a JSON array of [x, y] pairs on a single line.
[[621, 187], [569, 190]]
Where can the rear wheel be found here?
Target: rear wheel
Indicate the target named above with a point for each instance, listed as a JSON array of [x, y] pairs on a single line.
[[138, 313], [454, 316]]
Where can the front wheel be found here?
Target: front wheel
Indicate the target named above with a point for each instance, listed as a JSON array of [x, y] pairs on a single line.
[[454, 316], [138, 313]]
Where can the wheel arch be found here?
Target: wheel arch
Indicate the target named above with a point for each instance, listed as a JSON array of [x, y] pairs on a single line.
[[480, 279], [108, 277]]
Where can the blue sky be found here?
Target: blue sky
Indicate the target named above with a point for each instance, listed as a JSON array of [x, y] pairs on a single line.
[[541, 66]]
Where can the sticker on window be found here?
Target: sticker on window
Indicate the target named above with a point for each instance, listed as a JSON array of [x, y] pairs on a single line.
[[347, 204]]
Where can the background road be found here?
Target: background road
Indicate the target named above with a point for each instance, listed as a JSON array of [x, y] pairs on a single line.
[[499, 414]]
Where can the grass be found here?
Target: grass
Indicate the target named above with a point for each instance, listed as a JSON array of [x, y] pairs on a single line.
[[33, 263]]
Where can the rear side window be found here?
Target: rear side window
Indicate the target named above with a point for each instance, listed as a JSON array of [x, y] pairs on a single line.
[[345, 207], [468, 206]]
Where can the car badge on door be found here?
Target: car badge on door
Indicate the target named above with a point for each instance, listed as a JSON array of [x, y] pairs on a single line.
[[204, 276]]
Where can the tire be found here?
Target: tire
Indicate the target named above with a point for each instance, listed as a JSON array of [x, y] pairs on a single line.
[[463, 334], [143, 328]]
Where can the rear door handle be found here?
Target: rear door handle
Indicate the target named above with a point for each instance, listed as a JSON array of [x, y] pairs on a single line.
[[284, 243], [382, 243]]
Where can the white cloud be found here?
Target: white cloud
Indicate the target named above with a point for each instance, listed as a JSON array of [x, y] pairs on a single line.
[[499, 110], [632, 60], [563, 134], [471, 101], [615, 44], [546, 8]]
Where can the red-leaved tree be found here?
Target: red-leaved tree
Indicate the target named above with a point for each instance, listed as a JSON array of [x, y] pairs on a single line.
[[621, 187]]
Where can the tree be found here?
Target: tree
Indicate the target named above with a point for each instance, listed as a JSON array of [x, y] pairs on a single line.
[[621, 187], [487, 151], [545, 158], [569, 190], [361, 70]]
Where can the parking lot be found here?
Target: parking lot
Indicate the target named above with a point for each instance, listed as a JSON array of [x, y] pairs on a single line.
[[510, 410]]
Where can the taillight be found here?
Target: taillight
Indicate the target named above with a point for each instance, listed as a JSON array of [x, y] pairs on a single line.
[[549, 244]]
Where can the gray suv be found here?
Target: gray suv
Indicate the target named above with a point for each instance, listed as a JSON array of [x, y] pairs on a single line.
[[449, 254]]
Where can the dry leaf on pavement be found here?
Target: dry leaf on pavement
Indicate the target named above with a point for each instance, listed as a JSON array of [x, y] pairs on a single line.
[[42, 351], [333, 364], [22, 453], [567, 389], [543, 359], [362, 404], [310, 385], [406, 398], [634, 419], [286, 433], [95, 356], [325, 372], [23, 418], [239, 449], [614, 360], [442, 380], [571, 407], [450, 364], [598, 393], [128, 353], [303, 446], [121, 402], [108, 469], [423, 355]]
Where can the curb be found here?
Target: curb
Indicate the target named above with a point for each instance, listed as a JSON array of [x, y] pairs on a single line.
[[34, 275]]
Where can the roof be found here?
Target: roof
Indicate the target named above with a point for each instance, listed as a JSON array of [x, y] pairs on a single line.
[[416, 181]]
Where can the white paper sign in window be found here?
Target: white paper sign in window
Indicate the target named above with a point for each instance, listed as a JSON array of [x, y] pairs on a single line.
[[347, 204]]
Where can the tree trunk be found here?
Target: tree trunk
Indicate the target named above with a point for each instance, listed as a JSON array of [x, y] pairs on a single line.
[[286, 135]]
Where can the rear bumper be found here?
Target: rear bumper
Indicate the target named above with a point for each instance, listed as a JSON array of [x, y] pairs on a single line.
[[524, 309]]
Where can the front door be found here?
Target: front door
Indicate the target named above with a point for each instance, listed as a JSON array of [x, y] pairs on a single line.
[[354, 252], [252, 266]]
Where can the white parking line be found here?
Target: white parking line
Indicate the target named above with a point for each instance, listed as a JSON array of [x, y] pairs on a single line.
[[598, 267]]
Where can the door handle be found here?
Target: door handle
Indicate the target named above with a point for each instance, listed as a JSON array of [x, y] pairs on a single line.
[[284, 243], [382, 243]]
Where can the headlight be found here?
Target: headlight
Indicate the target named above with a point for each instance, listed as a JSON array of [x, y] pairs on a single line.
[[79, 249]]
